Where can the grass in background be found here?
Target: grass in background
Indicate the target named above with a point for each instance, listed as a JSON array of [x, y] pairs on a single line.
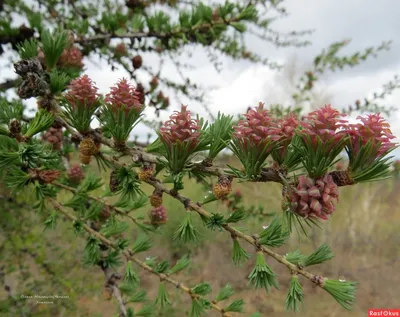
[[363, 234]]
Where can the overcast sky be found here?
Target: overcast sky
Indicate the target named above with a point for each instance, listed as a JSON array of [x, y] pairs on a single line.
[[241, 84]]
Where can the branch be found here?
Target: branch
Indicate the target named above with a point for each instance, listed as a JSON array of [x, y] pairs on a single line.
[[9, 83], [158, 35], [129, 256], [119, 211], [189, 204]]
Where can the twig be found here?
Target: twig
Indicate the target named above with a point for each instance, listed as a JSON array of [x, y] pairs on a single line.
[[189, 204], [159, 35], [201, 211], [9, 83], [119, 211], [112, 279], [129, 256]]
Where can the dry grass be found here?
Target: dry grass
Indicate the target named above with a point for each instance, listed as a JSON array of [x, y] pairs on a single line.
[[363, 233]]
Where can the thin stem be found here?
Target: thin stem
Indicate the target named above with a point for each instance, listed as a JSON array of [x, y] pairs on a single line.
[[119, 211], [129, 256]]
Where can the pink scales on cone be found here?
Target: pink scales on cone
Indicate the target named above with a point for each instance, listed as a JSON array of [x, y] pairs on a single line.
[[75, 174], [325, 123], [285, 131], [315, 198], [373, 128], [158, 215], [182, 127], [71, 57], [124, 94], [82, 92], [257, 127]]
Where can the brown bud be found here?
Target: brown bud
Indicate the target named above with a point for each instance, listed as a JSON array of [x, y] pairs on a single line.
[[15, 127], [156, 198], [165, 102], [246, 54], [104, 214], [140, 90], [114, 182], [87, 148], [342, 178], [146, 173], [44, 103], [223, 187], [154, 82], [159, 49], [137, 62], [160, 96]]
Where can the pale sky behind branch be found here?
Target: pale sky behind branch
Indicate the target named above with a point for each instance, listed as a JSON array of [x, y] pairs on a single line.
[[242, 84]]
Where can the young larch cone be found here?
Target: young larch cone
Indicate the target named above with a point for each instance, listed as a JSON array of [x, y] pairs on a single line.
[[114, 182], [87, 148], [137, 62], [314, 198], [285, 129], [257, 127], [82, 93], [373, 129], [75, 174], [181, 127], [223, 188], [54, 136], [158, 215], [156, 198], [71, 57], [325, 124], [146, 173], [124, 94]]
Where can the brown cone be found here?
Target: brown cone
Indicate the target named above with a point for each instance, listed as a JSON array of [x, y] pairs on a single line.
[[342, 178], [87, 148], [156, 198], [137, 62]]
